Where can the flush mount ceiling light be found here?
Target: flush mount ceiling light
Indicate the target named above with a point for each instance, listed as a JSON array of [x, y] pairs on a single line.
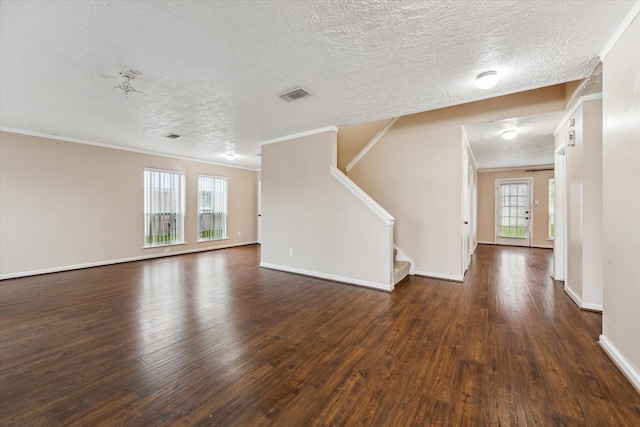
[[487, 79], [230, 155], [509, 134]]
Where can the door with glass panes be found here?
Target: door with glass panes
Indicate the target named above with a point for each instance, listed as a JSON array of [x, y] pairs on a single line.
[[513, 212]]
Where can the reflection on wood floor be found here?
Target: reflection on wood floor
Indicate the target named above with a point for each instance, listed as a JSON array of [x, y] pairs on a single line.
[[212, 339]]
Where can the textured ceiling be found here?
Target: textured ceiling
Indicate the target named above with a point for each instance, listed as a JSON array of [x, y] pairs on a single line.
[[212, 70], [532, 147]]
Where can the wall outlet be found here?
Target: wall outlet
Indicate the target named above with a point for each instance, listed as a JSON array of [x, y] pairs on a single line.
[[290, 251], [239, 233], [167, 250]]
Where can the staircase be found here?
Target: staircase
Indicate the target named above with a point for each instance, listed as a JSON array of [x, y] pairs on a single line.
[[400, 268]]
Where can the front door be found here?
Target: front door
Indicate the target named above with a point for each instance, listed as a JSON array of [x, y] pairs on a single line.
[[513, 212]]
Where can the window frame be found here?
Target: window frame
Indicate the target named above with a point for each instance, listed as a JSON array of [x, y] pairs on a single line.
[[180, 214], [199, 211]]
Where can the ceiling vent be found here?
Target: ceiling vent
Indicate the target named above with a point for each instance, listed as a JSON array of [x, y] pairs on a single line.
[[172, 136], [295, 94]]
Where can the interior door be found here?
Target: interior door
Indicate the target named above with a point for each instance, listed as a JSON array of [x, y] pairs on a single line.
[[513, 212], [466, 213]]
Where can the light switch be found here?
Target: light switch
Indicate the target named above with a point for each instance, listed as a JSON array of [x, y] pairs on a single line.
[[537, 202]]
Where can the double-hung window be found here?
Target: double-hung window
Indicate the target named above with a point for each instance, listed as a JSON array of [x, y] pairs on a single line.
[[212, 207], [164, 207]]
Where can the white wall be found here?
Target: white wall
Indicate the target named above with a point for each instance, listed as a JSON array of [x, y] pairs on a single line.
[[66, 205], [583, 206], [621, 202], [330, 232]]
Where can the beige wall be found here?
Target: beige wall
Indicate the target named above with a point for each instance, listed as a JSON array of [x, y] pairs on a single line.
[[487, 204], [352, 139], [305, 209], [66, 204], [621, 202], [415, 172]]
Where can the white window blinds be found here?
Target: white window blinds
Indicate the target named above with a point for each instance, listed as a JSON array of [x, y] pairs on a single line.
[[164, 207], [212, 207]]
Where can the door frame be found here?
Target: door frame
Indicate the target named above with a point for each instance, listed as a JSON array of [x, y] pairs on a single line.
[[499, 181]]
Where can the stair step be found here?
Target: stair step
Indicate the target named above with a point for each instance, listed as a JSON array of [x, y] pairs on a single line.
[[400, 270]]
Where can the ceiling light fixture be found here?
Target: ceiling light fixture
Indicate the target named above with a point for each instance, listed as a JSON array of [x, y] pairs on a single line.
[[128, 75], [487, 79], [230, 155], [509, 134]]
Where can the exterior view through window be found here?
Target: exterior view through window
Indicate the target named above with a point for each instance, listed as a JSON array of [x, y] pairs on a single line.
[[513, 210], [212, 207], [164, 205]]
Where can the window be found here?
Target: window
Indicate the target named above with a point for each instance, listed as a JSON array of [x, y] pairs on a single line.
[[552, 220], [163, 207], [514, 210], [212, 208]]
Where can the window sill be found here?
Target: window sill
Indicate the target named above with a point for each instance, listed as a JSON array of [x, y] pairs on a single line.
[[212, 240], [165, 245], [551, 239]]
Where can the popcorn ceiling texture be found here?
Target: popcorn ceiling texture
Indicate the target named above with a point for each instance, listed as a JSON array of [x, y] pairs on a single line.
[[212, 70], [534, 142]]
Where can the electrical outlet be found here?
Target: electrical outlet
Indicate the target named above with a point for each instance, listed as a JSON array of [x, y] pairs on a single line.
[[290, 251], [239, 233], [167, 250]]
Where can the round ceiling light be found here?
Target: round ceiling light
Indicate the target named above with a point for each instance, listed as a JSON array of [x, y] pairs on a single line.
[[487, 79], [230, 155], [509, 134]]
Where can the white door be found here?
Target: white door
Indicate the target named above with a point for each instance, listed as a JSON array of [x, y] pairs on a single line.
[[513, 212], [466, 213], [259, 211]]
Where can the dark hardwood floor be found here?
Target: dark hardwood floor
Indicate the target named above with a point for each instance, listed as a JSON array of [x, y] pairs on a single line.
[[212, 339]]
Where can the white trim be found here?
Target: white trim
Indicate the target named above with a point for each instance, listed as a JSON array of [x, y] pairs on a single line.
[[482, 242], [362, 196], [466, 140], [572, 111], [560, 151], [591, 306], [300, 135], [117, 261], [119, 147], [451, 277], [542, 246], [576, 299], [371, 143], [623, 364], [497, 235], [474, 248], [626, 22], [518, 168], [331, 277]]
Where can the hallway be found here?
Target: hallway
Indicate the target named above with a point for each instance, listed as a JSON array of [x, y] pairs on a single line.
[[212, 339]]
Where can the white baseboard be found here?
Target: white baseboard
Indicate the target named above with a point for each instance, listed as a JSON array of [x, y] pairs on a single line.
[[480, 242], [591, 306], [116, 261], [542, 246], [440, 276], [576, 299], [625, 366], [333, 278], [582, 304]]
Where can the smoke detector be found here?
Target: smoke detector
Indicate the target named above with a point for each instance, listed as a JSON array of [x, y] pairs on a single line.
[[295, 94]]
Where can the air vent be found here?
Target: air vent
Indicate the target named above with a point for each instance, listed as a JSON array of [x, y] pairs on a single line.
[[172, 136], [130, 73], [295, 94]]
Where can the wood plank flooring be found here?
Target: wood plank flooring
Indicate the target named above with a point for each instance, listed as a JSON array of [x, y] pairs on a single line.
[[212, 339]]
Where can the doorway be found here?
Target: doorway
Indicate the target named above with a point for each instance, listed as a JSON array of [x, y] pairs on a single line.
[[513, 211]]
